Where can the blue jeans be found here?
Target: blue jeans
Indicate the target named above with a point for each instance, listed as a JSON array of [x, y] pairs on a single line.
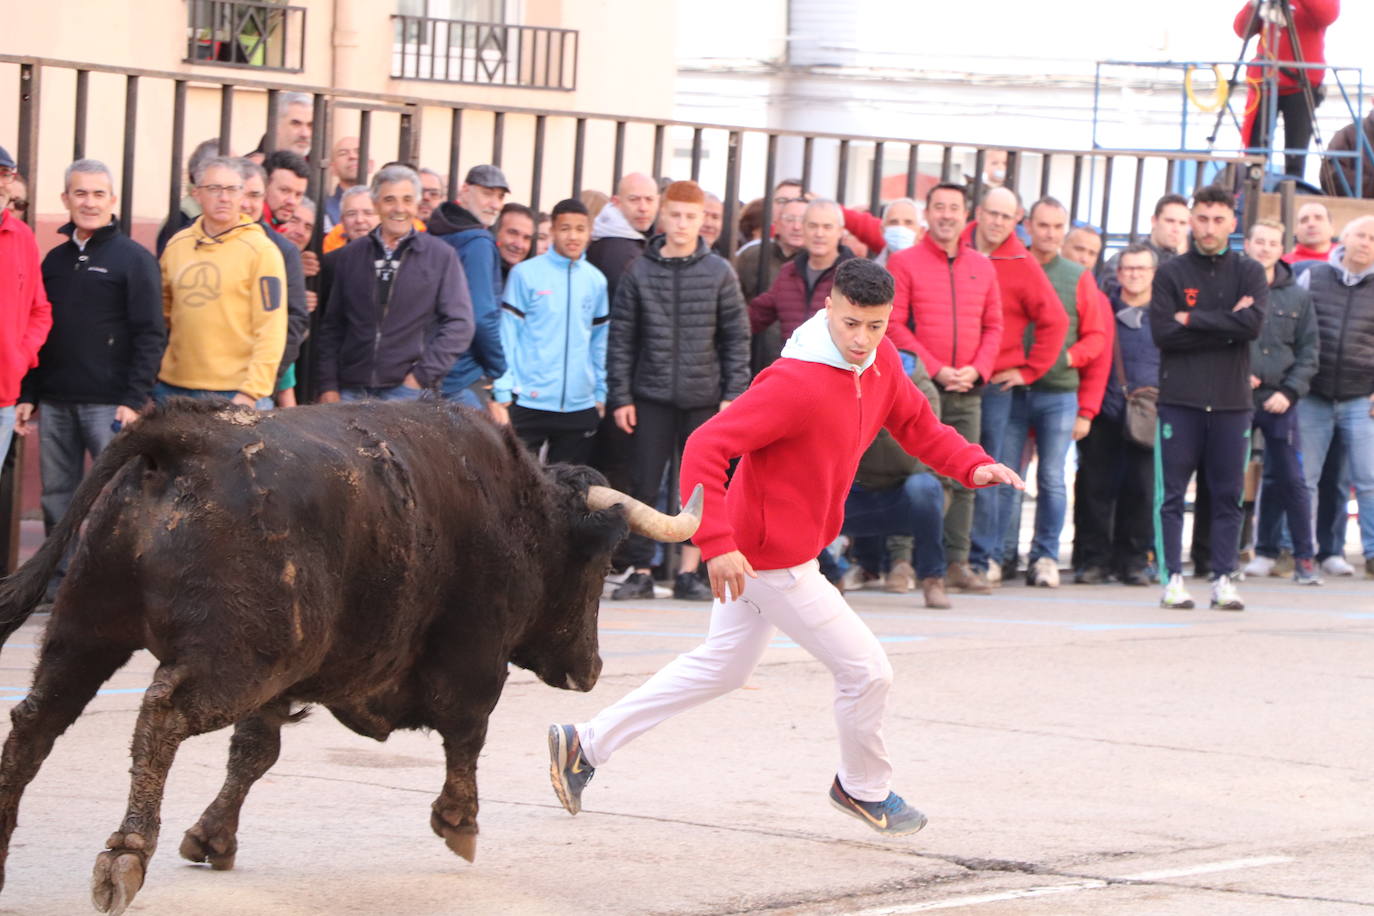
[[916, 508], [1284, 491], [162, 391], [1051, 415], [1318, 420], [398, 393], [988, 521], [67, 433]]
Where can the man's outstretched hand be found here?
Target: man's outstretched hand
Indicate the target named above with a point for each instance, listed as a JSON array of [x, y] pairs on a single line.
[[997, 473], [729, 569]]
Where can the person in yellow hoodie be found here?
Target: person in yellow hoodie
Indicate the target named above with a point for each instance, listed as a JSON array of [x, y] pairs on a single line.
[[224, 299]]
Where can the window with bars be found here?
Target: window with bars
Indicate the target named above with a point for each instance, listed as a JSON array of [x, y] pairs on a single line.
[[258, 34], [471, 41]]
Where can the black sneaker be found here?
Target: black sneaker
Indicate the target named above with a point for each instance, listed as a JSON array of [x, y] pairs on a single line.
[[638, 585], [568, 769], [890, 817], [1091, 575], [689, 587]]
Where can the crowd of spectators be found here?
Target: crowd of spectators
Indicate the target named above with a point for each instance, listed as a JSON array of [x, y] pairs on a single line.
[[610, 328]]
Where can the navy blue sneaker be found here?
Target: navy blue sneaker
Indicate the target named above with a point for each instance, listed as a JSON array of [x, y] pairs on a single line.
[[890, 817], [568, 769]]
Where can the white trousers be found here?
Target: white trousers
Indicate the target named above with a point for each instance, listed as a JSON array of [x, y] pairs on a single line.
[[801, 603]]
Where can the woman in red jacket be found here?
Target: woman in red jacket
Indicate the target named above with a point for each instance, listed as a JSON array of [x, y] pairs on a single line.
[[799, 432], [1311, 19]]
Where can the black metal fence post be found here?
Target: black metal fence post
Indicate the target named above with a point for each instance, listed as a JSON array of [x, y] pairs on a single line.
[[126, 205], [30, 96], [537, 170]]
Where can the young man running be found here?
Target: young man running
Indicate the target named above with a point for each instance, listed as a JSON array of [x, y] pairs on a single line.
[[799, 432]]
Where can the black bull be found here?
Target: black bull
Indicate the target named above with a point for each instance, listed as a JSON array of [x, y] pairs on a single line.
[[385, 561]]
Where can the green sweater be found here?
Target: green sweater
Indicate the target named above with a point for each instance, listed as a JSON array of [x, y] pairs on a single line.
[[1064, 275]]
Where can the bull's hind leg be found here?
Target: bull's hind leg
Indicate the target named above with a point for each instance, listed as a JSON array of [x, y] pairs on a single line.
[[252, 752], [461, 707], [172, 711], [70, 670]]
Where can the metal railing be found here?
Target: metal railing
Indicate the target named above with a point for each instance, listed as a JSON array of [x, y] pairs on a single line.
[[484, 53], [246, 33], [547, 154]]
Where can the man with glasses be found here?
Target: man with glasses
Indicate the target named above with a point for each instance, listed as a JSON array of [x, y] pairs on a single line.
[[27, 316], [223, 298], [19, 197], [432, 186], [1029, 305]]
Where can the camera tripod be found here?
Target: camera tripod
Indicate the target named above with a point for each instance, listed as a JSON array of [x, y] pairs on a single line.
[[1262, 23]]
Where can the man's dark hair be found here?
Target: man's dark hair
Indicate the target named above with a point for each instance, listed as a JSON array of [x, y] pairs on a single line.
[[947, 186], [788, 182], [863, 282], [1047, 202], [285, 159], [1213, 195], [571, 205], [1169, 200], [519, 209]]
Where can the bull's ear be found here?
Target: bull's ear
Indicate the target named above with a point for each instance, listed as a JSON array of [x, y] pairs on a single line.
[[599, 531]]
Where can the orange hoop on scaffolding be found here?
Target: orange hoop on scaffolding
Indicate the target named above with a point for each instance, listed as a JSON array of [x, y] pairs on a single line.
[[1223, 90]]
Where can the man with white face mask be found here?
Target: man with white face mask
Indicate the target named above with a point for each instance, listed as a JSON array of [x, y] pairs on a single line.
[[902, 224]]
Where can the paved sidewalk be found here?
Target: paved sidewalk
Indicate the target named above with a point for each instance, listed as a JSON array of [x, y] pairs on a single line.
[[1077, 751]]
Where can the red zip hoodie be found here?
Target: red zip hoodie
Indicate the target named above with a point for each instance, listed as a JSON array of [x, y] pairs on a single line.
[[25, 315], [800, 430], [1027, 298]]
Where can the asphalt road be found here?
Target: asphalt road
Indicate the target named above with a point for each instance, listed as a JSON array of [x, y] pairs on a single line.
[[1077, 751]]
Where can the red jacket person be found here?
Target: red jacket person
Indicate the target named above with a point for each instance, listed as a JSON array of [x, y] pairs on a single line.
[[799, 432]]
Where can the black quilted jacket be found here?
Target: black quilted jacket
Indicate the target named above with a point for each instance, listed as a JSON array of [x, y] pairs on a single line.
[[679, 331]]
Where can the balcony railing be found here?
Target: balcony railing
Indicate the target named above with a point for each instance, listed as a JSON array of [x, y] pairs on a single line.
[[484, 53], [244, 33]]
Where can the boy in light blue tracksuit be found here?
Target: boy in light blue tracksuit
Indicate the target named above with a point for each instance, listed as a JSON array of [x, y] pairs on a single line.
[[554, 326]]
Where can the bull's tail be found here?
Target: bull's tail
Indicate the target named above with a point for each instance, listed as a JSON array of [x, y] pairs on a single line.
[[21, 592]]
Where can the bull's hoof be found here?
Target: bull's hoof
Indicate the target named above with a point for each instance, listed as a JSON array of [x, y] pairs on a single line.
[[218, 850], [117, 878], [461, 839]]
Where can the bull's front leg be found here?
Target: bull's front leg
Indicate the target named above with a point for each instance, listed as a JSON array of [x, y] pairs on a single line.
[[252, 752], [462, 708], [162, 726]]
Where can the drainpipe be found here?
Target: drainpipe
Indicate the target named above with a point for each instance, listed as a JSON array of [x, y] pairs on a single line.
[[344, 44]]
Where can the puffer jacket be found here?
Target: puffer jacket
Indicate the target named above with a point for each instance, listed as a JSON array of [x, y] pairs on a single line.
[[946, 311], [789, 301], [679, 334], [1344, 303], [1284, 356]]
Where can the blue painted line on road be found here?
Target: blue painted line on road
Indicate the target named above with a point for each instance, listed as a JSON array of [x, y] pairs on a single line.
[[776, 643], [110, 692]]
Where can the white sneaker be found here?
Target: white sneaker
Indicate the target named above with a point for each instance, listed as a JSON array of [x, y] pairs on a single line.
[[856, 577], [1045, 573], [1224, 595], [994, 572], [1336, 566], [1176, 594], [1260, 566]]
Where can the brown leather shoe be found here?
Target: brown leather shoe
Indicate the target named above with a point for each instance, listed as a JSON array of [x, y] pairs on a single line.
[[934, 589], [965, 578], [901, 578]]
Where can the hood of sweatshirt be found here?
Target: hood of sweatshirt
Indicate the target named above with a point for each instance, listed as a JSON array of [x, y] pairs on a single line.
[[1348, 278], [811, 342], [449, 218], [610, 223]]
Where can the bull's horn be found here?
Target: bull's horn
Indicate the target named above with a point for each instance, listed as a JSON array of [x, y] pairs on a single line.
[[647, 520]]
